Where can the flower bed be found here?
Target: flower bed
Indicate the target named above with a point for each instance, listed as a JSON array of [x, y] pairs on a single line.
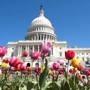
[[15, 75]]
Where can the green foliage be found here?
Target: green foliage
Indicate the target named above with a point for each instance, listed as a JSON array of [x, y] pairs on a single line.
[[43, 75]]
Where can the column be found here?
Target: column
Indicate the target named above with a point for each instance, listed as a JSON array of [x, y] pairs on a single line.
[[28, 50], [21, 50], [33, 48], [38, 48], [18, 50], [25, 48], [46, 37], [49, 37], [40, 36]]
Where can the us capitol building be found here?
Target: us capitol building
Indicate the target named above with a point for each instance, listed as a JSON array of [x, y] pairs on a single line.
[[41, 29]]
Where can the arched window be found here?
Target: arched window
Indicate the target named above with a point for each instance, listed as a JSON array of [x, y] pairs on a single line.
[[28, 64], [37, 64]]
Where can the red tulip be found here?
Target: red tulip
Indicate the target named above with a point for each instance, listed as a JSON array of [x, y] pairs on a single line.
[[28, 72], [25, 54], [61, 72], [80, 68], [34, 55], [45, 47], [2, 71], [6, 61], [56, 66], [3, 51], [87, 72], [69, 54], [14, 61]]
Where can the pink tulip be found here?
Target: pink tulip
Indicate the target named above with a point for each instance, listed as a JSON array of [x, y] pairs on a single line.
[[43, 55], [14, 61], [22, 67], [36, 69], [51, 68], [11, 68], [61, 62], [34, 55], [45, 47], [3, 51], [56, 66], [25, 54]]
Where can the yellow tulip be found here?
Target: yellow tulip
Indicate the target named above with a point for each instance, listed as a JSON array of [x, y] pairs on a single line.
[[75, 62], [4, 65], [50, 72], [42, 68]]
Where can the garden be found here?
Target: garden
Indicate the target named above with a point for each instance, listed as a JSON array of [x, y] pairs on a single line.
[[15, 75]]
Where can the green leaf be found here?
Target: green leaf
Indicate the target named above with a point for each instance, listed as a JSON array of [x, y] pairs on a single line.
[[29, 85], [66, 86], [46, 85], [58, 84], [43, 75]]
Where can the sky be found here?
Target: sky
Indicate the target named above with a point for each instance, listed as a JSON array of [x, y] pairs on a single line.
[[70, 19]]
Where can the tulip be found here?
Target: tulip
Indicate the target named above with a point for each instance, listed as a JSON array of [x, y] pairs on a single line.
[[3, 51], [75, 62], [83, 77], [80, 68], [69, 54], [79, 76], [28, 72], [50, 72], [6, 61], [34, 55], [61, 72], [4, 65], [36, 69], [56, 66], [21, 67], [87, 72], [45, 47], [61, 62], [3, 71], [11, 68], [28, 68], [43, 55], [14, 61], [72, 70], [25, 54]]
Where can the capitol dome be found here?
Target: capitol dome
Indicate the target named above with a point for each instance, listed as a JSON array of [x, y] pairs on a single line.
[[41, 20], [42, 27]]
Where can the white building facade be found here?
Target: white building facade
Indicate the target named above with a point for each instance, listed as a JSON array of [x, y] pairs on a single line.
[[41, 29]]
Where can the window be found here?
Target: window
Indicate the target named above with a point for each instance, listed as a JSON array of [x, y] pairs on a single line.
[[60, 54], [60, 48], [12, 48], [77, 57], [83, 59], [37, 64]]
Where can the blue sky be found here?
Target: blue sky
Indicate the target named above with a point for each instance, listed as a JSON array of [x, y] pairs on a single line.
[[70, 19]]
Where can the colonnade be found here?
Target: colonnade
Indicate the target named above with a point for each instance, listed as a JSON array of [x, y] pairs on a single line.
[[40, 37], [29, 49]]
